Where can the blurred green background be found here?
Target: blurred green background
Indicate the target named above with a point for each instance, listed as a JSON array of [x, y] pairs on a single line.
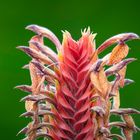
[[107, 18]]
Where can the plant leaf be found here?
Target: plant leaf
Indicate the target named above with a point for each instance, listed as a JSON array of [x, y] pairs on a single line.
[[118, 53], [99, 80]]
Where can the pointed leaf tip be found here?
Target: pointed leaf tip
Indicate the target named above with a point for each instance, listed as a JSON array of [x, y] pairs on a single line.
[[117, 39], [35, 28], [130, 36], [23, 48], [25, 88], [31, 27], [27, 114], [25, 66], [128, 81], [117, 67], [23, 131], [19, 47], [46, 33]]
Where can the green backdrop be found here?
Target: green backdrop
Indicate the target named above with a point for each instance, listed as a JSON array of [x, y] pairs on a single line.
[[106, 17]]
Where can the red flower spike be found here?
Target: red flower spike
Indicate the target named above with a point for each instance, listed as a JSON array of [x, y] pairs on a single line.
[[70, 91]]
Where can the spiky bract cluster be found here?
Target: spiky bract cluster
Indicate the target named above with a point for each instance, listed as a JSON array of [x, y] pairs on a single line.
[[71, 97]]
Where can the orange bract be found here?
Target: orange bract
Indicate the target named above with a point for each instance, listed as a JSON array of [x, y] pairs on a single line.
[[118, 53]]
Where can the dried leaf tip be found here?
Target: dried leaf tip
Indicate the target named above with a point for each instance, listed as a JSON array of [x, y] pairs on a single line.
[[25, 88], [126, 36], [117, 39], [46, 33], [117, 67]]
